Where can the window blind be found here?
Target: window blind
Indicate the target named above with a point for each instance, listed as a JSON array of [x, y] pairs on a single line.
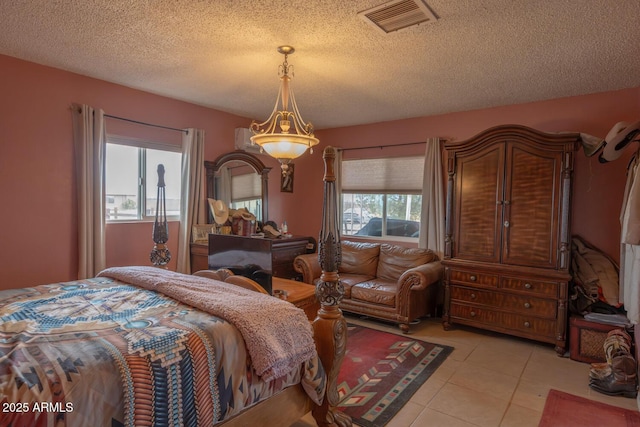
[[142, 143], [397, 174], [246, 187]]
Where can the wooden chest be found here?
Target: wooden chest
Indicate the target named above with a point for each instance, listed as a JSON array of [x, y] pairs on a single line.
[[586, 339]]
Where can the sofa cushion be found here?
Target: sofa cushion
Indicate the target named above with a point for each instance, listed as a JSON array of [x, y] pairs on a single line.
[[348, 280], [375, 291], [395, 260], [359, 258]]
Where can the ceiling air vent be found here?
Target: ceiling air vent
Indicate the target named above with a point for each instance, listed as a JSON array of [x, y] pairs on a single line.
[[398, 14]]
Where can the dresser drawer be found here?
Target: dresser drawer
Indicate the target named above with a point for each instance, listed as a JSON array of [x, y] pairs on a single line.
[[288, 254], [473, 278], [509, 302], [548, 289], [528, 325]]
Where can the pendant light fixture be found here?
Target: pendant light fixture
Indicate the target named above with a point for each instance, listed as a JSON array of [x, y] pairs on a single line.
[[284, 135]]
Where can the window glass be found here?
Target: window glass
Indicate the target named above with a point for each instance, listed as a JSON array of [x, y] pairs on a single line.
[[122, 183], [386, 203], [132, 180]]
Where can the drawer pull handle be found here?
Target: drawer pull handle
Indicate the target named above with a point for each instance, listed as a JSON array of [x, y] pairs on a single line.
[[527, 305], [527, 285], [527, 324], [473, 314], [473, 296], [473, 278]]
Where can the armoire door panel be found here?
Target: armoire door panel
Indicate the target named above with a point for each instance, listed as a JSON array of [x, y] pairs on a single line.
[[530, 226], [479, 179]]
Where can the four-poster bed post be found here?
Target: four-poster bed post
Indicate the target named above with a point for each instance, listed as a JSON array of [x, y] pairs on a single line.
[[330, 327]]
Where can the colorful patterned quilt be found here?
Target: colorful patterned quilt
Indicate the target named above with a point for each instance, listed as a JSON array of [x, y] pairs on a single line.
[[99, 352]]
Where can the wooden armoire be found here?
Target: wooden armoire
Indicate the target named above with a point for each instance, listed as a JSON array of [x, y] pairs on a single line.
[[508, 241]]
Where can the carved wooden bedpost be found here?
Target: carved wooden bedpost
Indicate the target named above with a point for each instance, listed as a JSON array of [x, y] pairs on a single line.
[[330, 327]]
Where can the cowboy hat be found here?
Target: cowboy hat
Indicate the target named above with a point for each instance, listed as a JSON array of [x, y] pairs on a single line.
[[620, 135], [219, 210], [591, 144], [242, 213]]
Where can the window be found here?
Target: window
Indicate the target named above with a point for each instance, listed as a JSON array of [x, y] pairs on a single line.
[[382, 197], [246, 192], [132, 179]]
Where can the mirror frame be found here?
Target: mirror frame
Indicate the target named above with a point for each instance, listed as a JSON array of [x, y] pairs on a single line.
[[262, 170]]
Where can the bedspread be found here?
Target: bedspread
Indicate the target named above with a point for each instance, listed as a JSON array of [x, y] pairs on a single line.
[[101, 352], [276, 346]]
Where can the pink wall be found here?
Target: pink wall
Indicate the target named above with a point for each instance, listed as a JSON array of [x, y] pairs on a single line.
[[598, 188], [38, 225]]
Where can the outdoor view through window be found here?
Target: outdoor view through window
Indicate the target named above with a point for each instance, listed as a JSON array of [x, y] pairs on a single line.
[[132, 182], [363, 213], [382, 196]]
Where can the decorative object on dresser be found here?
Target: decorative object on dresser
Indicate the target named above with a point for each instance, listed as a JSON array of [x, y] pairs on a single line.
[[507, 243], [381, 280], [200, 233]]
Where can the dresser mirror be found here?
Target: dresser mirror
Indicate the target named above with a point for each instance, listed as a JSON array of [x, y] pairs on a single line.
[[239, 179]]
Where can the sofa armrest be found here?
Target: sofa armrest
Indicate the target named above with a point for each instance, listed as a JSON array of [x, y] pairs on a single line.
[[309, 266], [420, 277]]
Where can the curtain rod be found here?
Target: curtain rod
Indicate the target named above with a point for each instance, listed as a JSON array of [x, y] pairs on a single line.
[[145, 124], [383, 146]]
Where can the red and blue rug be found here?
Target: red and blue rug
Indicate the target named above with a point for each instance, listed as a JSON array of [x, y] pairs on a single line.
[[381, 371]]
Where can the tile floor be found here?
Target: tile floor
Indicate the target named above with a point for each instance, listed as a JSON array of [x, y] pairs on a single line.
[[490, 380]]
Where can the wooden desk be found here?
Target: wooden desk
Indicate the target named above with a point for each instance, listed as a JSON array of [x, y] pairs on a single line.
[[300, 294]]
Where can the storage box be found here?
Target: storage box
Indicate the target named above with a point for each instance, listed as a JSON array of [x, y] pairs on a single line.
[[586, 340]]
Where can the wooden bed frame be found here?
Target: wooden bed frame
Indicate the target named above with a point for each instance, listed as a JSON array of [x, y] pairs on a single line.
[[330, 331]]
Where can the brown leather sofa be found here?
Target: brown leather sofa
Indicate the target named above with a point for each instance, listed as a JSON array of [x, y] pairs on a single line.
[[380, 280]]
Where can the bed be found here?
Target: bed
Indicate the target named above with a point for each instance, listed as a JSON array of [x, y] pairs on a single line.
[[137, 346]]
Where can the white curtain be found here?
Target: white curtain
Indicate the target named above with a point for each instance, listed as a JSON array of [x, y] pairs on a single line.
[[89, 139], [192, 203], [630, 243], [223, 189], [432, 217]]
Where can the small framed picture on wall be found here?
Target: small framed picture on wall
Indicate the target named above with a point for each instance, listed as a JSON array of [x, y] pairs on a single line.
[[286, 183]]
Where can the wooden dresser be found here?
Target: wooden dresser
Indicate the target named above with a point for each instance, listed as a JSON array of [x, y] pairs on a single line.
[[283, 252], [507, 244]]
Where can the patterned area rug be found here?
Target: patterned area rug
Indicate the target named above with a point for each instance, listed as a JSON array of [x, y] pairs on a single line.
[[566, 410], [381, 371]]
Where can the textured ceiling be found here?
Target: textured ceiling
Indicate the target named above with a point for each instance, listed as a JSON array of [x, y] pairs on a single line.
[[222, 54]]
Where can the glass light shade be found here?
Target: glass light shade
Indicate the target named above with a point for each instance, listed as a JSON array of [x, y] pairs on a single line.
[[284, 145]]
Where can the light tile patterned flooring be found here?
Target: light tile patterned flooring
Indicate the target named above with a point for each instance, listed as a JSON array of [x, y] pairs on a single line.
[[490, 380]]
